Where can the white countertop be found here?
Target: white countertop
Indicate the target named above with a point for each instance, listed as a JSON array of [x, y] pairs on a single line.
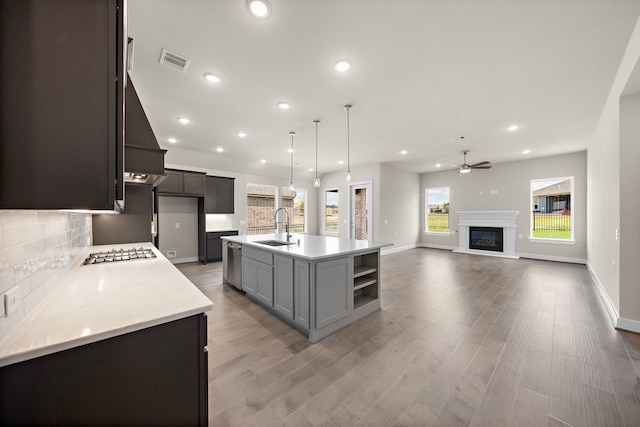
[[311, 247], [95, 302]]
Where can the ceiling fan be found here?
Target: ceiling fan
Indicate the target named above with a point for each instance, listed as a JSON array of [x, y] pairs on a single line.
[[465, 168]]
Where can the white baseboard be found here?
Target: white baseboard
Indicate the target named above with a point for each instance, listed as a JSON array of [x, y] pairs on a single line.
[[183, 260], [608, 304], [432, 246], [394, 249], [543, 257], [618, 322], [628, 325]]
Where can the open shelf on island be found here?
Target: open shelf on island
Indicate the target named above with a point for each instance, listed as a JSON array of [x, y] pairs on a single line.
[[366, 282], [362, 300], [361, 270]]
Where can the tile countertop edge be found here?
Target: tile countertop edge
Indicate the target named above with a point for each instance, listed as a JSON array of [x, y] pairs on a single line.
[[251, 240], [21, 345]]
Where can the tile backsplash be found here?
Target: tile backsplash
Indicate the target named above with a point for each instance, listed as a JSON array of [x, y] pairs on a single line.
[[36, 249], [219, 222]]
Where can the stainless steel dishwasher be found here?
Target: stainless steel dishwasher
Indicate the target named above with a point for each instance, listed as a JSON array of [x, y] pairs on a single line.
[[234, 264]]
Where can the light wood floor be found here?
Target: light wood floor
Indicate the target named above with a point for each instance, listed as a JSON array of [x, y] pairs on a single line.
[[460, 340]]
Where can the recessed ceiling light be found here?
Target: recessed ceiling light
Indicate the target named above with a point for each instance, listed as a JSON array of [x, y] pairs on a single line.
[[403, 152], [263, 161], [284, 105], [289, 150], [342, 65], [219, 149], [341, 162], [310, 169], [438, 165], [259, 8], [211, 78], [526, 151], [241, 134], [172, 140], [513, 127], [183, 120]]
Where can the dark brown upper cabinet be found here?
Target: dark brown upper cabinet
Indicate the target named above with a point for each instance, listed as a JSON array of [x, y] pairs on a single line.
[[182, 183], [220, 195], [62, 103]]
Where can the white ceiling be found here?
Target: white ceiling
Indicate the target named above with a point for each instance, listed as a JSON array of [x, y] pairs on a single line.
[[424, 74]]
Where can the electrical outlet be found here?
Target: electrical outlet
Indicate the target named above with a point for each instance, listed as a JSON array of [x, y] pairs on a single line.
[[386, 221], [613, 266], [12, 300], [171, 254], [520, 236]]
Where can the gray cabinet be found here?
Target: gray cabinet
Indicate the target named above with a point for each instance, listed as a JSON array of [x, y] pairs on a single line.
[[183, 183], [301, 289], [283, 283], [219, 197], [62, 104], [334, 294], [257, 274]]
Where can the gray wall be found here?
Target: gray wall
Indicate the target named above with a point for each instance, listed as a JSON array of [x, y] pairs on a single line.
[[614, 200], [396, 207], [512, 182], [183, 240]]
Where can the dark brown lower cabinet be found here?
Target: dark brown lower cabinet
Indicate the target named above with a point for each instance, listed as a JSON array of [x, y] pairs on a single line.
[[214, 244], [156, 376]]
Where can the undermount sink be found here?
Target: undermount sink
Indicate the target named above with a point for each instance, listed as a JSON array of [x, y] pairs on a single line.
[[273, 242]]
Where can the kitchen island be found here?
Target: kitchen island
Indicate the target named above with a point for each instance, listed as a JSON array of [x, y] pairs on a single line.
[[115, 343], [318, 284]]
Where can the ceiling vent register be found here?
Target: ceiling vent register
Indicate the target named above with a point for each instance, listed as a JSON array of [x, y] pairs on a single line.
[[175, 61]]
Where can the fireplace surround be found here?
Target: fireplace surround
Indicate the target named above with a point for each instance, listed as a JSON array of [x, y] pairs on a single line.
[[487, 221]]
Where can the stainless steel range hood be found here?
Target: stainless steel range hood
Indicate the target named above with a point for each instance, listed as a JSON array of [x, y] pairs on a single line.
[[143, 157]]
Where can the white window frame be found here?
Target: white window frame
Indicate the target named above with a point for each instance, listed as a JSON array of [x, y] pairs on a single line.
[[305, 215], [570, 241], [426, 211], [324, 212]]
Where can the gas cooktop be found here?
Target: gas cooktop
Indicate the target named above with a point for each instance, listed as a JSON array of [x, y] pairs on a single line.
[[121, 254]]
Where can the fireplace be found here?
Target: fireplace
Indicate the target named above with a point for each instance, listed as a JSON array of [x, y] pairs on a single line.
[[486, 238], [494, 233]]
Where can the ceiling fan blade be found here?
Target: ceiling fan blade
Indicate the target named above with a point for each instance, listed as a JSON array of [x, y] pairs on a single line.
[[480, 167], [480, 164]]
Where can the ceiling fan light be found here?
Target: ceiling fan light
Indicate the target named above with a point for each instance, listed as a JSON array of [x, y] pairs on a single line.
[[465, 169]]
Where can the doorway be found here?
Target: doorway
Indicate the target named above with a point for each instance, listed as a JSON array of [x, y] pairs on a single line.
[[360, 210]]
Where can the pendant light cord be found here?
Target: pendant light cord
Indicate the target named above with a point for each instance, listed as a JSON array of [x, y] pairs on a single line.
[[316, 122], [348, 108]]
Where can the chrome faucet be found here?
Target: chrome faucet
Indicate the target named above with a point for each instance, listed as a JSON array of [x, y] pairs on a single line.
[[286, 225]]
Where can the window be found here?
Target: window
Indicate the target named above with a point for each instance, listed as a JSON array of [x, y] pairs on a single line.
[[298, 220], [437, 208], [294, 202], [261, 205], [551, 208], [331, 222]]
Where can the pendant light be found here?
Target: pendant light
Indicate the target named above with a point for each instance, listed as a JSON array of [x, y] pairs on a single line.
[[291, 186], [316, 180], [348, 175]]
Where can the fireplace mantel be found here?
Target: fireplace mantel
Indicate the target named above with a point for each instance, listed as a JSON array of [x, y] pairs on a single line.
[[501, 219]]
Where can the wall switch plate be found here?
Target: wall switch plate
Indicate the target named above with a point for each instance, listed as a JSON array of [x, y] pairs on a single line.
[[12, 300], [177, 225], [171, 254]]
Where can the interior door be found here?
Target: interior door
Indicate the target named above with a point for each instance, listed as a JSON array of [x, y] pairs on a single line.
[[361, 210]]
